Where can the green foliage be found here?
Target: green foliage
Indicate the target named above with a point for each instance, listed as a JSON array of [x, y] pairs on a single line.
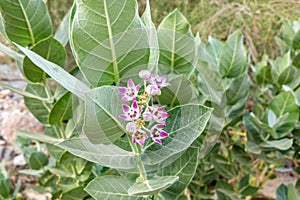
[[214, 143]]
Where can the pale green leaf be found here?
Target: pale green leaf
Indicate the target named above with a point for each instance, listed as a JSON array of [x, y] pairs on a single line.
[[11, 53], [38, 137], [283, 144], [233, 57], [26, 21], [102, 110], [282, 104], [181, 91], [152, 186], [38, 108], [110, 188], [176, 44], [38, 160], [282, 192], [62, 32], [68, 81], [109, 41], [184, 125], [105, 155], [184, 167], [238, 90]]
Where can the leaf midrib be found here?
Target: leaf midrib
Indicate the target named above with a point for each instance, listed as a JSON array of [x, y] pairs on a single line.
[[111, 42], [27, 22]]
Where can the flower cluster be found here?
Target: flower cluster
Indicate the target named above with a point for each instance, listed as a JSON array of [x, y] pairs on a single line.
[[140, 112]]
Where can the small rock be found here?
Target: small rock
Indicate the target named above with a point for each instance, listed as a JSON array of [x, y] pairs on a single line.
[[19, 160]]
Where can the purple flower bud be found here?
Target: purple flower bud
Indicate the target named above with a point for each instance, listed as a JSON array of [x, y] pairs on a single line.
[[131, 127], [147, 116], [157, 133], [139, 136], [130, 93], [131, 113], [153, 90], [160, 82], [144, 74]]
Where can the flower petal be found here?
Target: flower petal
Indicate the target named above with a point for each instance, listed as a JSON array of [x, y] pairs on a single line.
[[130, 83], [163, 134], [158, 141], [122, 90], [125, 108], [125, 98]]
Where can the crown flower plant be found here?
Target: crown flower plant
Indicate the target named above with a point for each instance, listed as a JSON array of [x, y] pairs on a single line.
[[141, 111]]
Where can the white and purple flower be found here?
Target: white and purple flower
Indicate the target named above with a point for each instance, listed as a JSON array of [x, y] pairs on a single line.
[[157, 133], [160, 82], [139, 113], [139, 136], [131, 113], [130, 93]]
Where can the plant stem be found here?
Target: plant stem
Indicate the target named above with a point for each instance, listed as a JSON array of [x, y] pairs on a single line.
[[141, 166]]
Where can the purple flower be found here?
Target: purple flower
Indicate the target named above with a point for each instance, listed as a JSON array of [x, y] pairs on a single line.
[[147, 115], [153, 90], [139, 136], [157, 133], [131, 127], [130, 93], [158, 81], [158, 114], [131, 113], [144, 74]]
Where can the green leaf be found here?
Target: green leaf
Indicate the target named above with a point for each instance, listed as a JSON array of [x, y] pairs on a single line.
[[184, 125], [184, 167], [292, 192], [16, 56], [176, 45], [105, 155], [245, 189], [233, 57], [38, 137], [38, 160], [153, 38], [211, 52], [287, 33], [68, 81], [6, 188], [26, 21], [152, 186], [74, 194], [287, 75], [112, 45], [240, 155], [280, 65], [62, 32], [296, 41], [263, 76], [180, 92], [223, 167], [110, 187], [238, 90], [283, 144], [262, 126], [282, 192], [226, 191], [38, 108], [61, 110], [282, 104], [51, 50], [102, 110], [296, 60]]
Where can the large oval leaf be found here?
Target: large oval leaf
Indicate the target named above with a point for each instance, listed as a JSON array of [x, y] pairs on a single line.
[[51, 50], [109, 40], [184, 125], [111, 187], [233, 57], [26, 21], [282, 105], [102, 110], [105, 155], [176, 44]]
